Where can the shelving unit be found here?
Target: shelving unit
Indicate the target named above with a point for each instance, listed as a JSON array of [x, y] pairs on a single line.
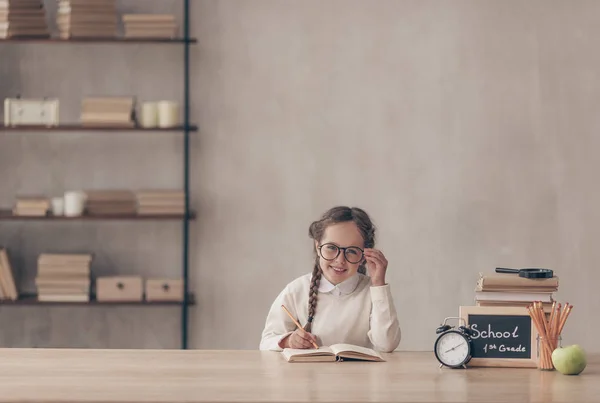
[[86, 128], [186, 128], [7, 215], [99, 40], [31, 299]]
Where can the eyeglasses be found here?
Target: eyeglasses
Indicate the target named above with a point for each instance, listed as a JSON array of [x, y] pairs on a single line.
[[329, 251]]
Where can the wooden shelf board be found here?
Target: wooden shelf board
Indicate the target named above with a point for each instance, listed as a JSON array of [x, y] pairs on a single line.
[[118, 40], [87, 128], [31, 299], [7, 215]]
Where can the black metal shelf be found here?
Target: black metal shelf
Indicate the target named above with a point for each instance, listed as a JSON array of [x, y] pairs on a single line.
[[7, 215], [99, 40], [76, 127], [32, 299]]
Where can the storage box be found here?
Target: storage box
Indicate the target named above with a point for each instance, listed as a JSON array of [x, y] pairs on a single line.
[[164, 289], [119, 288], [35, 112]]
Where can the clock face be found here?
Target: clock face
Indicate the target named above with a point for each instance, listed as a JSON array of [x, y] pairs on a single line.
[[452, 349]]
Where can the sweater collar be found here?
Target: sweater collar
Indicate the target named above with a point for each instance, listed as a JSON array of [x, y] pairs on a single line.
[[345, 287]]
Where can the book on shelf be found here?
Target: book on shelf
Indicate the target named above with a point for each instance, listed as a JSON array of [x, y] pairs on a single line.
[[160, 201], [149, 25], [20, 4], [87, 18], [32, 206], [335, 352], [24, 14], [108, 111], [149, 19], [8, 288], [110, 201], [23, 18], [64, 277]]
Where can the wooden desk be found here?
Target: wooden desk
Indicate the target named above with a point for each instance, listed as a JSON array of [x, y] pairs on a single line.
[[176, 376]]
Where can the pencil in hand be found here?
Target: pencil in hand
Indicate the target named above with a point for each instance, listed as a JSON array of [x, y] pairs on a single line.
[[296, 322]]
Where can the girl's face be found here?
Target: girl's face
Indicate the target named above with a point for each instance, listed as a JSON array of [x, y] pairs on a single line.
[[338, 268]]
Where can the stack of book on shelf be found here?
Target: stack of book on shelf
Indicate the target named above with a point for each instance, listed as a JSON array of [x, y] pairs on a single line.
[[87, 19], [64, 277], [159, 201], [107, 111], [23, 18], [32, 206], [110, 202], [150, 26], [8, 288], [499, 289]]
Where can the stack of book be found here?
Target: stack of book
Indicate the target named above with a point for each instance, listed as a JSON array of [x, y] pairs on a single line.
[[23, 18], [8, 288], [107, 111], [64, 277], [499, 289], [110, 202], [87, 19], [149, 26], [157, 202], [32, 206]]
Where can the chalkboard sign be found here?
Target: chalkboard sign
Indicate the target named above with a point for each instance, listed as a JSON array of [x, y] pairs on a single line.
[[502, 336]]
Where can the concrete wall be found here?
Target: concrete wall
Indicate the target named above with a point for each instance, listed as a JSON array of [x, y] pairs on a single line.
[[467, 129]]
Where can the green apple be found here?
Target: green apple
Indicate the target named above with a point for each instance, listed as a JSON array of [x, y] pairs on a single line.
[[569, 360]]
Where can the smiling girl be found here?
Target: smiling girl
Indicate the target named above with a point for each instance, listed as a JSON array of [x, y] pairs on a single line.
[[338, 301]]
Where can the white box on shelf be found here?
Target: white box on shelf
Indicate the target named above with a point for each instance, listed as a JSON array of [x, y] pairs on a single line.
[[31, 112]]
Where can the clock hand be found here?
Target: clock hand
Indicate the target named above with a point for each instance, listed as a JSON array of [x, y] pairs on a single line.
[[454, 348]]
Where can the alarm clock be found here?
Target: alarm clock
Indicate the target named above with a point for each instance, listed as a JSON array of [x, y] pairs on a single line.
[[453, 347]]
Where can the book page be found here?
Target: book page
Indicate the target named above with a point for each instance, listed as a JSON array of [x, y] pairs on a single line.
[[291, 353], [323, 350], [356, 351]]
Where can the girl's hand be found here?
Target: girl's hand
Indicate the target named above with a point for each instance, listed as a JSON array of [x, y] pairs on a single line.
[[376, 266], [299, 339]]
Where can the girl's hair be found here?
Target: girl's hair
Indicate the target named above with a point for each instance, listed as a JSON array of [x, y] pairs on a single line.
[[317, 229]]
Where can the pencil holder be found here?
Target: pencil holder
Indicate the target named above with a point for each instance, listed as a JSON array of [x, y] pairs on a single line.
[[545, 346]]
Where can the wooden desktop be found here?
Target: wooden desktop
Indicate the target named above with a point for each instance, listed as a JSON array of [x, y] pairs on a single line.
[[190, 376]]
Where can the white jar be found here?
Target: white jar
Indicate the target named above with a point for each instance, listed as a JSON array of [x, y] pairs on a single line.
[[58, 206], [168, 114], [149, 115], [74, 204]]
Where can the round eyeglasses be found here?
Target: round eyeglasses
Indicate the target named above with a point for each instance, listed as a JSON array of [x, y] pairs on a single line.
[[329, 251]]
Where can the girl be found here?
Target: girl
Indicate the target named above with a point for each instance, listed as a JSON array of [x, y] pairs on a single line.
[[337, 302]]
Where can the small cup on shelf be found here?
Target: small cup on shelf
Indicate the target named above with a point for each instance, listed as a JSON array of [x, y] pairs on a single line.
[[74, 204], [149, 115], [168, 114], [58, 206]]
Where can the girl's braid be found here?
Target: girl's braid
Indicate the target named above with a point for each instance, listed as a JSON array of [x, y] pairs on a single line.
[[313, 292]]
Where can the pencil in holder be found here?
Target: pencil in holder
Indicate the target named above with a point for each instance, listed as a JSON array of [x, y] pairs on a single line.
[[545, 347], [549, 327]]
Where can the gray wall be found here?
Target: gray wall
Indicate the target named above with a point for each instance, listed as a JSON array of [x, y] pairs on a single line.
[[466, 128]]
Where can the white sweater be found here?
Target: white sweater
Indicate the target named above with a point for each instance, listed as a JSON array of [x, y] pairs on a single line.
[[352, 312]]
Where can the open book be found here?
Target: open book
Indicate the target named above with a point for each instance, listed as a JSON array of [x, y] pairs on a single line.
[[335, 352]]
